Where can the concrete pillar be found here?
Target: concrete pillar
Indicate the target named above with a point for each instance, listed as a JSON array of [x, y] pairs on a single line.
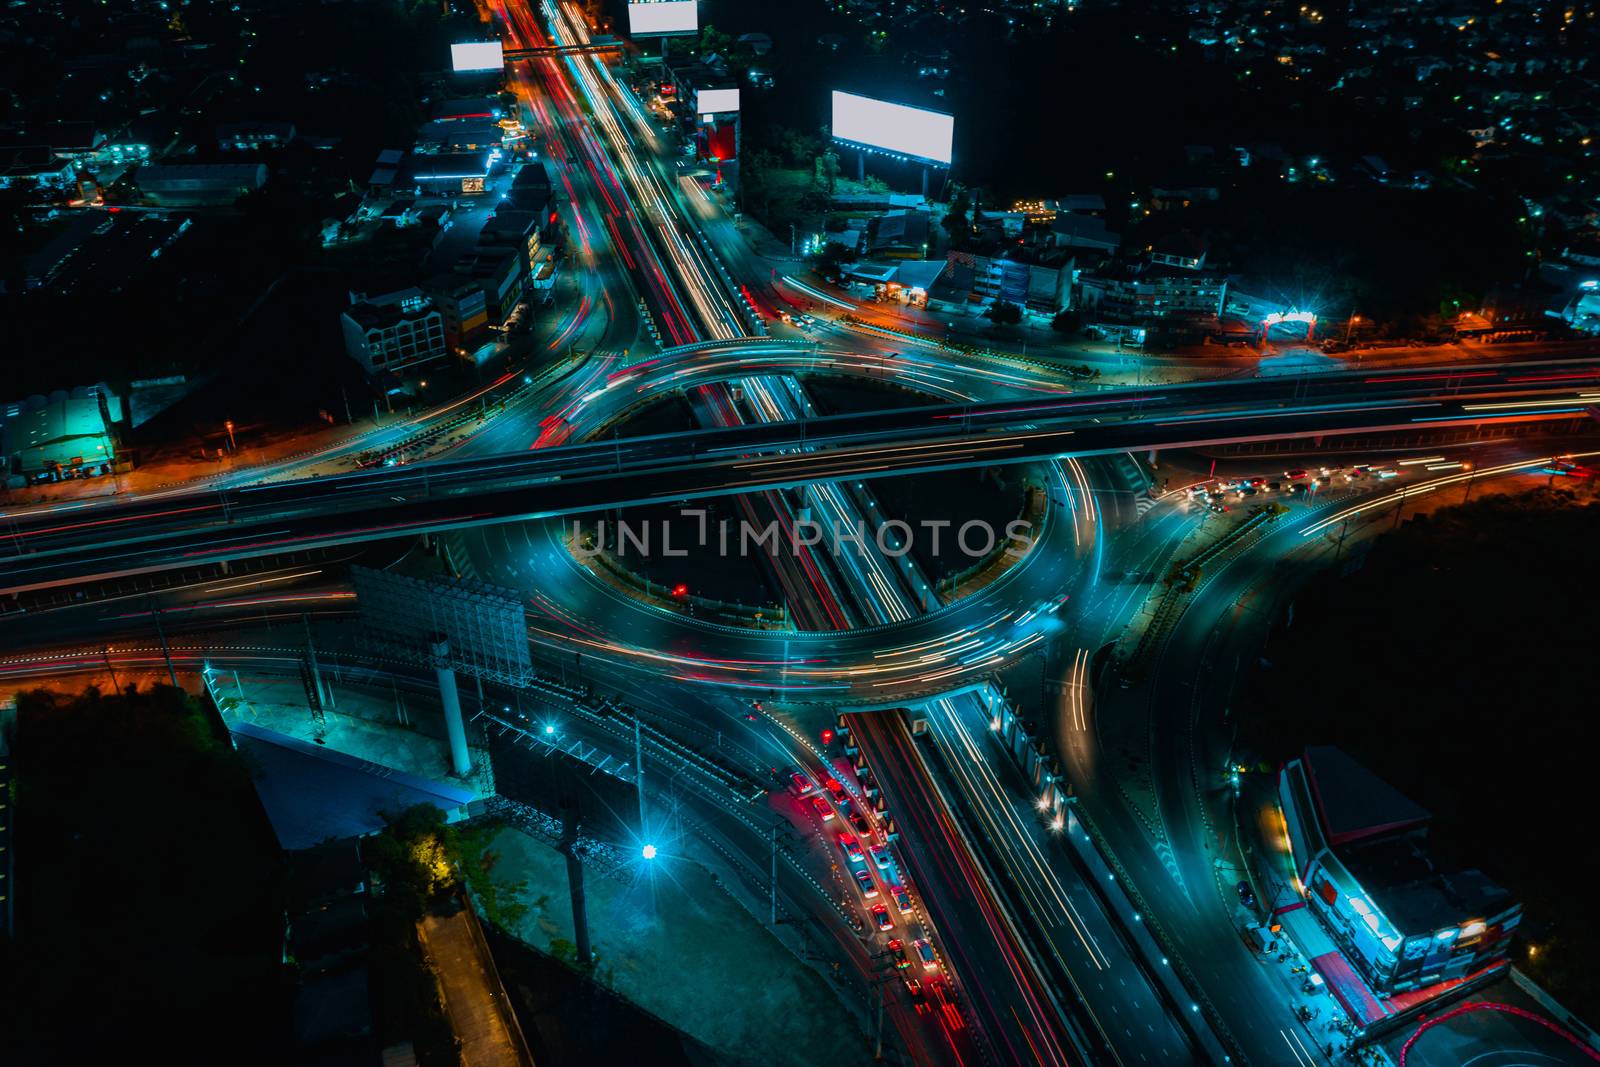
[[460, 759]]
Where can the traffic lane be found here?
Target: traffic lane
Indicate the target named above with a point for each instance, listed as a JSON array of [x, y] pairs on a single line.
[[1091, 951], [1191, 689], [995, 982], [591, 477], [942, 421]]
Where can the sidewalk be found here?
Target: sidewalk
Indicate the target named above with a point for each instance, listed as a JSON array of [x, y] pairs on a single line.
[[479, 1014]]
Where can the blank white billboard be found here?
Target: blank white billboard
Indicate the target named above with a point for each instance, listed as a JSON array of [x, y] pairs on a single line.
[[908, 131], [715, 101], [657, 18], [477, 55]]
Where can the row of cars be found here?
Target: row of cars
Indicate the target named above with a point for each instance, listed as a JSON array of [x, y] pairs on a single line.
[[868, 862], [1296, 481]]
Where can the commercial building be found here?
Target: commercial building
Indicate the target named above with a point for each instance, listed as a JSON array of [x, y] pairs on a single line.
[[1144, 293], [199, 184], [514, 230], [448, 173], [464, 305], [1361, 857], [984, 280], [65, 435], [501, 276], [466, 134], [393, 332], [468, 107]]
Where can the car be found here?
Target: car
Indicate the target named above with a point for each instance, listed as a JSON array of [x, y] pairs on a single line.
[[1247, 896], [1257, 482], [823, 809], [1296, 474], [880, 914], [1197, 492], [837, 790], [898, 948], [864, 880], [1385, 472], [1273, 487], [924, 952], [800, 785], [1218, 506], [880, 856], [1298, 488], [902, 899], [859, 821], [852, 849], [1249, 490]]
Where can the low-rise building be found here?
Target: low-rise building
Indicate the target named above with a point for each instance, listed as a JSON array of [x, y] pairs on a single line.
[[462, 302], [1361, 857], [65, 435], [252, 136], [35, 165], [899, 235], [199, 184], [448, 173], [459, 135], [1142, 293], [393, 332]]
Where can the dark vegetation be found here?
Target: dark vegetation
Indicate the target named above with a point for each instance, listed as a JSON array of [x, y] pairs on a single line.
[[149, 903], [1457, 663]]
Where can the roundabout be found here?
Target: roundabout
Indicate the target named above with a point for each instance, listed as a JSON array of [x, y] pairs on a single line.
[[1006, 574]]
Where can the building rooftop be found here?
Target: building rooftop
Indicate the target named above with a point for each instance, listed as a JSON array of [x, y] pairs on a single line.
[[1352, 802], [468, 107]]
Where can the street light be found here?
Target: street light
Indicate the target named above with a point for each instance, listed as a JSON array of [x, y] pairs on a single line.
[[649, 852], [1349, 326]]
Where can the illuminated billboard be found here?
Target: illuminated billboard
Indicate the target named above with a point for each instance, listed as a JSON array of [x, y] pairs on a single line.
[[476, 55], [658, 18], [893, 128], [715, 101]]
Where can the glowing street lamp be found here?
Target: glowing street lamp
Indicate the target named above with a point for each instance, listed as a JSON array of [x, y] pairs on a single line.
[[649, 852]]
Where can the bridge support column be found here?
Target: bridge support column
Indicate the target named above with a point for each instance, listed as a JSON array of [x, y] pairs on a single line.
[[460, 759]]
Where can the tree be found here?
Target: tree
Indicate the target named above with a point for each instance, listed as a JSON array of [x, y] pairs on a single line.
[[1067, 321], [833, 256], [825, 170], [955, 221], [1003, 313]]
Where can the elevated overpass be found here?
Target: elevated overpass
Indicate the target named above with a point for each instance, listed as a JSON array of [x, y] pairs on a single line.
[[185, 529]]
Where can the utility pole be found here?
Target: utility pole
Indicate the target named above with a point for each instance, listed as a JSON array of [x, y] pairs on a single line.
[[166, 653], [311, 658], [638, 777], [114, 683], [580, 912]]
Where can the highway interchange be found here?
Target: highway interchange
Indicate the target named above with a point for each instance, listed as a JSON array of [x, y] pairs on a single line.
[[1029, 956]]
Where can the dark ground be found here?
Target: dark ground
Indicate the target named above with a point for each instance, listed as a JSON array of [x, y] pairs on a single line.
[[1457, 663]]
